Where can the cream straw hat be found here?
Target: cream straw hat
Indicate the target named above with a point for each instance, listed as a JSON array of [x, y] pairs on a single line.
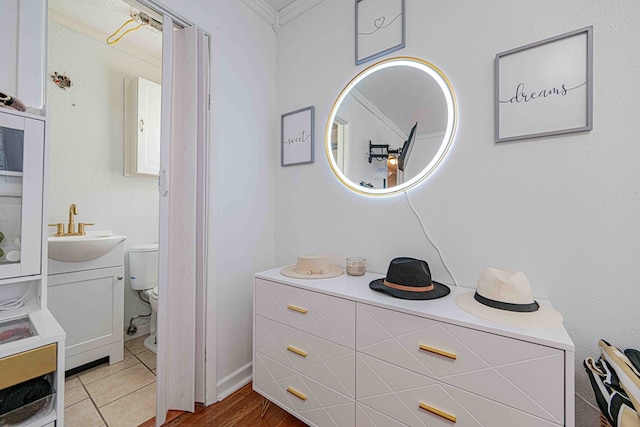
[[506, 297], [312, 267]]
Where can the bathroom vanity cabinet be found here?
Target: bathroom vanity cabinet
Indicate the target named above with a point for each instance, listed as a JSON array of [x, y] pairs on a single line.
[[87, 299], [335, 353]]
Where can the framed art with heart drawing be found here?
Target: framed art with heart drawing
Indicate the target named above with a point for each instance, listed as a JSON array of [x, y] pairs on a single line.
[[380, 28]]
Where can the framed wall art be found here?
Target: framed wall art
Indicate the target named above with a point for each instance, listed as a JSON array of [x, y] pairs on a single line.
[[380, 28], [545, 88], [297, 137]]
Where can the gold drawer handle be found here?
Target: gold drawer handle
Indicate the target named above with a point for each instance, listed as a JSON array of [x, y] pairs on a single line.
[[296, 393], [438, 412], [298, 309], [297, 351], [440, 352]]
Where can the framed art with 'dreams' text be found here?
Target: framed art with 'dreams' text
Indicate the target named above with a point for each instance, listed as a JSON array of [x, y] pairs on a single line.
[[380, 28], [296, 137], [545, 88]]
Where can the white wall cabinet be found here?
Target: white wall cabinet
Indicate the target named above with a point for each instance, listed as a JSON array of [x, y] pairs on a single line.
[[335, 353], [24, 38], [142, 127]]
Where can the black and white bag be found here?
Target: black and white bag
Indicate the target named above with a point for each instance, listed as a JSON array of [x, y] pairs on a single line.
[[615, 379]]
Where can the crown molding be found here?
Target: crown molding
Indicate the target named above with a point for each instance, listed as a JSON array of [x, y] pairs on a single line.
[[295, 9], [263, 9], [277, 19]]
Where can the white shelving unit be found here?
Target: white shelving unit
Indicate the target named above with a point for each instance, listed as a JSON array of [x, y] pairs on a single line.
[[23, 268]]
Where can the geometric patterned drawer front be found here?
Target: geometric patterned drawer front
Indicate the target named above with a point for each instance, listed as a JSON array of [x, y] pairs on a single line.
[[317, 405], [369, 417], [324, 316], [398, 393], [522, 375], [331, 364]]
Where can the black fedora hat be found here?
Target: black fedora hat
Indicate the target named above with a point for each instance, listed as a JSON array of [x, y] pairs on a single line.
[[410, 278]]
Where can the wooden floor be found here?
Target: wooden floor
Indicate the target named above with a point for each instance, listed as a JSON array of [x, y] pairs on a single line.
[[241, 409]]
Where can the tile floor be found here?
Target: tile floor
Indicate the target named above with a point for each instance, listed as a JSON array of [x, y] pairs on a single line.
[[118, 395]]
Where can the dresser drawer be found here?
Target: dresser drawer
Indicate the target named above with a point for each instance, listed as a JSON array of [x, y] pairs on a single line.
[[324, 361], [417, 400], [311, 401], [321, 315], [522, 375], [369, 417], [27, 365]]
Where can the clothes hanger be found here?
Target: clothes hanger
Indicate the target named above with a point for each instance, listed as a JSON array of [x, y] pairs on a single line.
[[142, 18], [111, 42]]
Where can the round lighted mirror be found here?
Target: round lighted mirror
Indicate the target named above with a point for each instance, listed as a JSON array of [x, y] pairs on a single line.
[[391, 126]]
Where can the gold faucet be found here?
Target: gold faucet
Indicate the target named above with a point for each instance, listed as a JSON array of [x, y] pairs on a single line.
[[71, 226]]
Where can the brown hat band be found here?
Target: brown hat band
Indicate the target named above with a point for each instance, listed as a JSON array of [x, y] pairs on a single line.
[[409, 288]]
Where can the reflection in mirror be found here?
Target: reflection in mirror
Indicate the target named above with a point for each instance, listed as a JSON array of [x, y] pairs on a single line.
[[391, 126]]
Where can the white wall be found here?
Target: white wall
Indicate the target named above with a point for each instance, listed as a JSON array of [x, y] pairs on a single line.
[[565, 210], [86, 138], [242, 177]]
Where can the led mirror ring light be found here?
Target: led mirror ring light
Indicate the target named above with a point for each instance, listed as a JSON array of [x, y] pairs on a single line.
[[452, 119]]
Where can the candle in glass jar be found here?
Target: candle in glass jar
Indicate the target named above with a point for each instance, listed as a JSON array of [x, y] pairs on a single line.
[[356, 266]]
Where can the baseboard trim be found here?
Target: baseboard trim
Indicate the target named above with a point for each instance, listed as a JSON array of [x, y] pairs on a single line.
[[235, 381]]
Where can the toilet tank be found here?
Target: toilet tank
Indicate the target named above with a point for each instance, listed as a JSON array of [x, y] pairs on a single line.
[[143, 266]]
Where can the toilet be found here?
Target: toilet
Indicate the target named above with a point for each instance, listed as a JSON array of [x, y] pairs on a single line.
[[143, 273]]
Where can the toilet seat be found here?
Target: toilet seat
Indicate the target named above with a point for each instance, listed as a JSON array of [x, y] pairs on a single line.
[[150, 341], [152, 293]]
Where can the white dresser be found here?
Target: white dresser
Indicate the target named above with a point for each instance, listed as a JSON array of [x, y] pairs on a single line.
[[334, 353]]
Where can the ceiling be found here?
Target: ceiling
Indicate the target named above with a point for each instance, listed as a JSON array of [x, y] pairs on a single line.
[[280, 12], [102, 18]]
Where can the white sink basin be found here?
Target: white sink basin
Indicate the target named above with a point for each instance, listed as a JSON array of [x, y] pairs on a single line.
[[82, 248]]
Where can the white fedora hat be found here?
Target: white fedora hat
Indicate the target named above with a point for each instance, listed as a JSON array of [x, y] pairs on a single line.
[[312, 267], [506, 297]]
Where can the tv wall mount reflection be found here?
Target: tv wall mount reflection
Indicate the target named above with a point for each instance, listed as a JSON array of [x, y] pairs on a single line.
[[402, 153]]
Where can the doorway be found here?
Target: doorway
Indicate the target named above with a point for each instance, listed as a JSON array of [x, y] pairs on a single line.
[[103, 194]]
